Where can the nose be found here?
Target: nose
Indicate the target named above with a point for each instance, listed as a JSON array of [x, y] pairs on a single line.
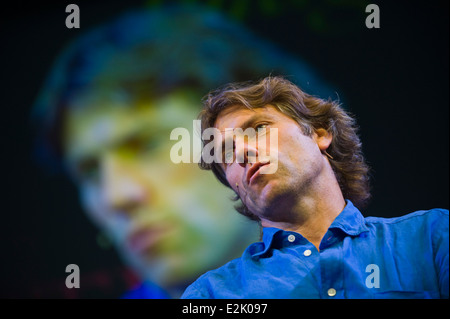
[[246, 152], [122, 189]]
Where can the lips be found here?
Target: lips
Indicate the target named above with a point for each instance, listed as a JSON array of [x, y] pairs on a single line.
[[145, 238], [254, 170]]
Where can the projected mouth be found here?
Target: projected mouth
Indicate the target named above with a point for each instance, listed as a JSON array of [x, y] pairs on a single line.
[[145, 238]]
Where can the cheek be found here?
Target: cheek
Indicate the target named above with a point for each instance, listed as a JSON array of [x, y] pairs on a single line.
[[91, 200], [114, 224], [234, 175]]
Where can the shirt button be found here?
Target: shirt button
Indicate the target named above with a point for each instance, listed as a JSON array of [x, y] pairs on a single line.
[[307, 253], [291, 238], [331, 292]]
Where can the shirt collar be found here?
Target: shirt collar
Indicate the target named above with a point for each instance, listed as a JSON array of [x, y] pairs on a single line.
[[259, 249], [350, 221]]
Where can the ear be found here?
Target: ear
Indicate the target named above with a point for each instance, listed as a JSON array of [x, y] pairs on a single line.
[[322, 138]]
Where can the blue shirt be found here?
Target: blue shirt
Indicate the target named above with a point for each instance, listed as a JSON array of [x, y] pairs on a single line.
[[146, 290], [404, 257]]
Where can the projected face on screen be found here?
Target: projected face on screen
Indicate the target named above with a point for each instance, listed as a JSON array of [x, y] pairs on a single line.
[[169, 221], [117, 93]]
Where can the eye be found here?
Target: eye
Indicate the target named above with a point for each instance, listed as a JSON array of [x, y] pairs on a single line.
[[261, 126], [88, 169], [262, 129], [141, 145]]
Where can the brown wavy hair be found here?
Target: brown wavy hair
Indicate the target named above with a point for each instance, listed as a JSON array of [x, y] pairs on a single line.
[[311, 113]]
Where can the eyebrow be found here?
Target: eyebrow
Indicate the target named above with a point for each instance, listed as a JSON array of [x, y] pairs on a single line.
[[248, 122]]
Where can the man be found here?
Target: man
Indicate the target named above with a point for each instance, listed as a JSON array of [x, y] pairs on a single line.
[[106, 112], [316, 243]]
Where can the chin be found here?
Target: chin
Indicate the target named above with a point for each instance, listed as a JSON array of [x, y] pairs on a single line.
[[275, 199], [270, 191], [159, 271]]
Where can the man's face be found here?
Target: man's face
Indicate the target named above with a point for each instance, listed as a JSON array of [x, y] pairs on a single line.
[[170, 221], [300, 162]]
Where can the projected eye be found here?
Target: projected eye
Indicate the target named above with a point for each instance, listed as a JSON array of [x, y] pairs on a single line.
[[88, 169]]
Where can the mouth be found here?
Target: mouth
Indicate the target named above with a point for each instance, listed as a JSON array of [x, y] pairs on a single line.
[[253, 172], [145, 238]]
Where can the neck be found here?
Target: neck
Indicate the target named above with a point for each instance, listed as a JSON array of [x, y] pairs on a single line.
[[311, 214]]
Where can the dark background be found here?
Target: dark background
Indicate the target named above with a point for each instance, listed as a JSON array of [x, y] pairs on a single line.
[[394, 79]]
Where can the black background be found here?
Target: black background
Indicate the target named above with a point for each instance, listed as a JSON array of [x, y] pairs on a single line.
[[394, 79]]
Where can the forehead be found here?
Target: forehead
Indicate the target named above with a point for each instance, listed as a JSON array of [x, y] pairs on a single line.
[[238, 116]]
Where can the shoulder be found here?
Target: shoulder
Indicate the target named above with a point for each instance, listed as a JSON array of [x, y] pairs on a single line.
[[430, 216], [225, 281], [208, 284], [430, 226]]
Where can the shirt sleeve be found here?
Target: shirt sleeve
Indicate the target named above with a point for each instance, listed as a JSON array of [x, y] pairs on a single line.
[[441, 249]]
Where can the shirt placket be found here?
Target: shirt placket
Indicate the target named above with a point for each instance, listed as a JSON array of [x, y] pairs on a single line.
[[331, 267]]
